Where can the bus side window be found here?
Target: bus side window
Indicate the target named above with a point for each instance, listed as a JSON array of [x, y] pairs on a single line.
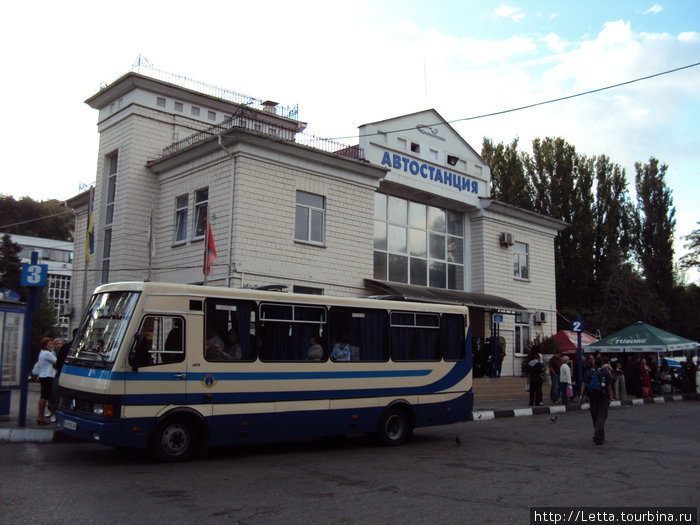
[[165, 336], [414, 336], [289, 331], [452, 335], [230, 330], [362, 331]]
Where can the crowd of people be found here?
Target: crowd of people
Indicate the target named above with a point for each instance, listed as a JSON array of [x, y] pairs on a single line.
[[632, 375], [606, 379]]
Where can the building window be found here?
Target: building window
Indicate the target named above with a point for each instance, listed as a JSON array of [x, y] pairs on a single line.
[[181, 204], [106, 254], [201, 202], [415, 148], [112, 161], [160, 101], [418, 244], [522, 333], [195, 111], [179, 107], [310, 217], [211, 115], [521, 261]]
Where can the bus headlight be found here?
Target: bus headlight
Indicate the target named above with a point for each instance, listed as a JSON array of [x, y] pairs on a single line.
[[103, 409]]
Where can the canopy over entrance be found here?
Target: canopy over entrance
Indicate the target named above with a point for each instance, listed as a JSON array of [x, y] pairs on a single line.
[[641, 337], [568, 341], [423, 294]]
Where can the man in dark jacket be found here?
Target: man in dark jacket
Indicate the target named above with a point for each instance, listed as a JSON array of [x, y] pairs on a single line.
[[598, 384]]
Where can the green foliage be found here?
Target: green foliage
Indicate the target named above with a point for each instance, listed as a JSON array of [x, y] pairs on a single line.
[[692, 258], [545, 345], [20, 217], [656, 225], [510, 182], [595, 274], [11, 266], [44, 323]]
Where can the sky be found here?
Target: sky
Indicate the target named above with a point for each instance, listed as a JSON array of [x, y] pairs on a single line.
[[351, 63]]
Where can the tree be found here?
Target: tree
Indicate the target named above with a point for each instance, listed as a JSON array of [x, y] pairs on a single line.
[[692, 258], [563, 182], [49, 219], [614, 219], [509, 182], [43, 323], [656, 224], [10, 266]]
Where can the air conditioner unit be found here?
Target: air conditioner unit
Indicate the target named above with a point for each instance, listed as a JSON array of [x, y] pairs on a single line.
[[540, 317], [506, 239], [65, 310]]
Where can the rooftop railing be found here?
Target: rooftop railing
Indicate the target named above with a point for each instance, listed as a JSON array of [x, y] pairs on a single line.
[[144, 67], [251, 124]]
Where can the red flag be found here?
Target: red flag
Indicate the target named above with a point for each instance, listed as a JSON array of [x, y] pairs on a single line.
[[209, 250]]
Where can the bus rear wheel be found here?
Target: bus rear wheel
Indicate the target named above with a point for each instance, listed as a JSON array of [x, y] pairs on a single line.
[[394, 428], [174, 440]]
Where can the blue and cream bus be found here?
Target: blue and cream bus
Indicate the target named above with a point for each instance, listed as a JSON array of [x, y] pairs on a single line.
[[178, 368]]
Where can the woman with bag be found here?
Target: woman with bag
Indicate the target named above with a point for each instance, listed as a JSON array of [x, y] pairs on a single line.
[[565, 380], [46, 373]]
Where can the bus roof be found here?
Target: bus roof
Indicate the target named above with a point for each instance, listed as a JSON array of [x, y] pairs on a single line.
[[202, 292]]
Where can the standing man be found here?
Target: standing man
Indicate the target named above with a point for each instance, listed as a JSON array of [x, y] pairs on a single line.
[[598, 383], [554, 368]]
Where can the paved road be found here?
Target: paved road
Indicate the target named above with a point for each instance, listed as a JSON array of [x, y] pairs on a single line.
[[500, 469]]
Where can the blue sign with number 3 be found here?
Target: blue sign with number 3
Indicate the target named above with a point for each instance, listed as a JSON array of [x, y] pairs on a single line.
[[34, 274]]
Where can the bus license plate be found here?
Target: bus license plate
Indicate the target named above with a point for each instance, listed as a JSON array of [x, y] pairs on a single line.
[[70, 425]]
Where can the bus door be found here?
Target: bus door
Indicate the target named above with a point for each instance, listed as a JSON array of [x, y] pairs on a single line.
[[158, 378]]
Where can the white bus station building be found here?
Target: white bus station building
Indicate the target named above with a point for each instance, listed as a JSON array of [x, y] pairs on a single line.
[[405, 212]]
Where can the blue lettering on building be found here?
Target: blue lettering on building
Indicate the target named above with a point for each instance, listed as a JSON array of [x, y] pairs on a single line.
[[459, 182]]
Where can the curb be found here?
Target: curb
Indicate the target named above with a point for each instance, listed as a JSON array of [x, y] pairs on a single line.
[[26, 435], [483, 415]]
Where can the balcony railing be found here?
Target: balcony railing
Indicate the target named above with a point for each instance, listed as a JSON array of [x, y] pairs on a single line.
[[250, 123]]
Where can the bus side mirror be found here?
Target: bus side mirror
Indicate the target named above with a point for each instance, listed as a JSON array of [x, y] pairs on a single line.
[[139, 352]]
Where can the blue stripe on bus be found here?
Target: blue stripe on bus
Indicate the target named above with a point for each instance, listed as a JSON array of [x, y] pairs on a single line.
[[108, 375], [441, 385]]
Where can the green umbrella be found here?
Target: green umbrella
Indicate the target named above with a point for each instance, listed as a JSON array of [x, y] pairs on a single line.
[[641, 337]]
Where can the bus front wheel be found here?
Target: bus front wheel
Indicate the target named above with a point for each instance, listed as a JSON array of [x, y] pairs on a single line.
[[174, 440], [394, 428]]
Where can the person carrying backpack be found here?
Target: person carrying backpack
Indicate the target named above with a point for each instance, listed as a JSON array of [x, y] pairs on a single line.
[[597, 383]]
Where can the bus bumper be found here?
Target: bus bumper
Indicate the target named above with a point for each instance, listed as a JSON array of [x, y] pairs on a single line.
[[107, 432]]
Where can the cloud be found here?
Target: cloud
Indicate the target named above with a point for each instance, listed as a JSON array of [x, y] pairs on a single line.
[[689, 37], [504, 11], [555, 43], [655, 9]]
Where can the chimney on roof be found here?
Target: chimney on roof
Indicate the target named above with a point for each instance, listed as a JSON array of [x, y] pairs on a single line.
[[270, 107]]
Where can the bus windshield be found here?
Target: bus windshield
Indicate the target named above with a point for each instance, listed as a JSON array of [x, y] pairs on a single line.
[[103, 328]]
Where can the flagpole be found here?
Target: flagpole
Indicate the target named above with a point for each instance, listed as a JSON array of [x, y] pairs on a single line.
[[88, 225], [206, 247]]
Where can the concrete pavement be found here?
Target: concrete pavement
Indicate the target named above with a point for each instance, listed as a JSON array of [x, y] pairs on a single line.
[[31, 432], [484, 409]]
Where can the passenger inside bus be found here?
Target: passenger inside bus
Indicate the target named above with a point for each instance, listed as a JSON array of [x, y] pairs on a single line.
[[214, 347], [233, 346], [315, 352], [343, 350]]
